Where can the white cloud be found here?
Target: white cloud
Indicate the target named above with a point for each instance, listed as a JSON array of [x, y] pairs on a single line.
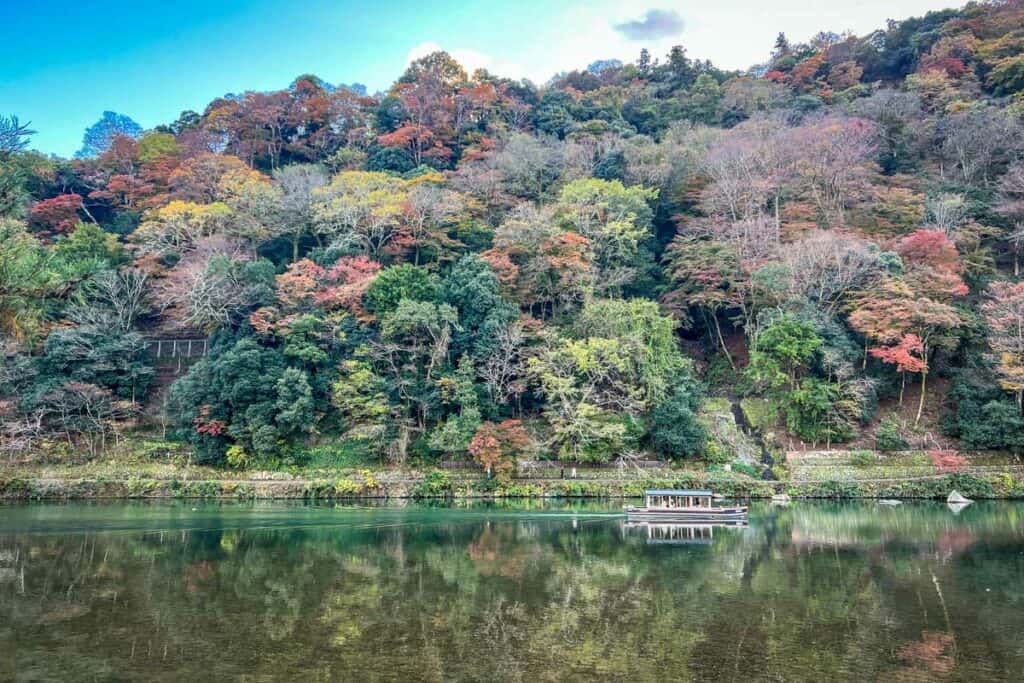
[[653, 24]]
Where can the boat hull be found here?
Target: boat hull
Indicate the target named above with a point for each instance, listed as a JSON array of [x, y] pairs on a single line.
[[723, 514]]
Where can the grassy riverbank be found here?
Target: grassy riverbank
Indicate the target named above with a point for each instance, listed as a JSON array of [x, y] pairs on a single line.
[[160, 470]]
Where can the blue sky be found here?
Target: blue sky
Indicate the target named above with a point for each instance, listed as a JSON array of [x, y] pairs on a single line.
[[63, 63]]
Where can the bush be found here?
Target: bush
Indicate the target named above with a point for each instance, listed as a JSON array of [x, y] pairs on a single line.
[[862, 458], [985, 417], [830, 489], [436, 484], [676, 431], [743, 467], [889, 435], [344, 454], [717, 454]]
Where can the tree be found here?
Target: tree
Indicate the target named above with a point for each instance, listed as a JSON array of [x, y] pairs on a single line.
[[56, 215], [14, 135], [705, 275], [973, 141], [546, 267], [833, 158], [363, 210], [472, 287], [781, 352], [99, 135], [828, 266], [235, 396], [907, 355], [397, 283], [587, 387], [211, 290], [646, 338], [295, 404], [30, 276], [615, 220], [1004, 316], [298, 184], [431, 212], [675, 429], [454, 433], [88, 247], [503, 369], [497, 446], [412, 349], [528, 166], [360, 395], [1011, 205], [888, 315], [99, 355], [120, 297], [179, 226]]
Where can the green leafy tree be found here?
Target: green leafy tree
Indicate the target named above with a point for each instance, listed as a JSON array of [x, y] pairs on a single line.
[[473, 289], [395, 283], [675, 430], [615, 219], [454, 433], [586, 387], [781, 352], [646, 338]]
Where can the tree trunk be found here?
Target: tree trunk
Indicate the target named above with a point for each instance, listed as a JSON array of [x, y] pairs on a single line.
[[721, 340], [920, 403]]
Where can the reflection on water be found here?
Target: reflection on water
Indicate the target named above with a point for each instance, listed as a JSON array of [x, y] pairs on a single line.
[[812, 591]]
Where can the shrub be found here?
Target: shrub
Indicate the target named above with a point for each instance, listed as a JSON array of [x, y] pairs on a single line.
[[947, 461], [344, 454], [676, 431], [889, 436], [436, 483], [743, 467], [236, 457], [717, 454], [862, 458], [831, 489]]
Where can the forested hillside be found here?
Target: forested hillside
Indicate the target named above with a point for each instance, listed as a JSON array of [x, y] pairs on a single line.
[[467, 266]]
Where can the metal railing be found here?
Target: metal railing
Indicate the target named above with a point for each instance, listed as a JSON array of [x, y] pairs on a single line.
[[177, 348]]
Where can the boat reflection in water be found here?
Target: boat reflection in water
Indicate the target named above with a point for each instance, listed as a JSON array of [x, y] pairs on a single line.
[[681, 534]]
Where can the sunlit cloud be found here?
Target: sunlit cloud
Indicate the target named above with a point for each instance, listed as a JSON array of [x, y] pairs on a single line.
[[654, 24]]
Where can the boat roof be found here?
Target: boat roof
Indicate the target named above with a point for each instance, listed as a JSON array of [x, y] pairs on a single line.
[[677, 492]]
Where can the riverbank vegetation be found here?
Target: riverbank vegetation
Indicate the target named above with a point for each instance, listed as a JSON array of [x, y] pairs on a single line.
[[660, 261]]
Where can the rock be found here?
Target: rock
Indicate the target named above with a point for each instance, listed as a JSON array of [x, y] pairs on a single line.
[[890, 501], [717, 417], [955, 497], [781, 498], [955, 508]]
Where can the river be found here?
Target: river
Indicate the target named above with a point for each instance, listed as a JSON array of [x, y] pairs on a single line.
[[528, 591]]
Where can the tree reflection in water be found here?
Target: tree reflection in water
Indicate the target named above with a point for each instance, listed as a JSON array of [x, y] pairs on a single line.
[[814, 591]]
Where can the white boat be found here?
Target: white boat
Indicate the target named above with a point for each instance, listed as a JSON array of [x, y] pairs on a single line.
[[683, 505]]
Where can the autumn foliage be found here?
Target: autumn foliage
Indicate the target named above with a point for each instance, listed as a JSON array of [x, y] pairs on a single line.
[[495, 446]]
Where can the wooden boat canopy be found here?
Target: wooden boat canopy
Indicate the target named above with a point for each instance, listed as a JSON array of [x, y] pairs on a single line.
[[670, 499]]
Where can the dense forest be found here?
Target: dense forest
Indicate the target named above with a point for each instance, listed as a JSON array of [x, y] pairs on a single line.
[[471, 267]]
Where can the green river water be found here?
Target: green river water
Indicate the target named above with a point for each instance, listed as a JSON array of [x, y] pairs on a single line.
[[189, 591]]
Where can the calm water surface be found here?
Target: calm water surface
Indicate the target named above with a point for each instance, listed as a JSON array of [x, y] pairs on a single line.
[[529, 592]]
